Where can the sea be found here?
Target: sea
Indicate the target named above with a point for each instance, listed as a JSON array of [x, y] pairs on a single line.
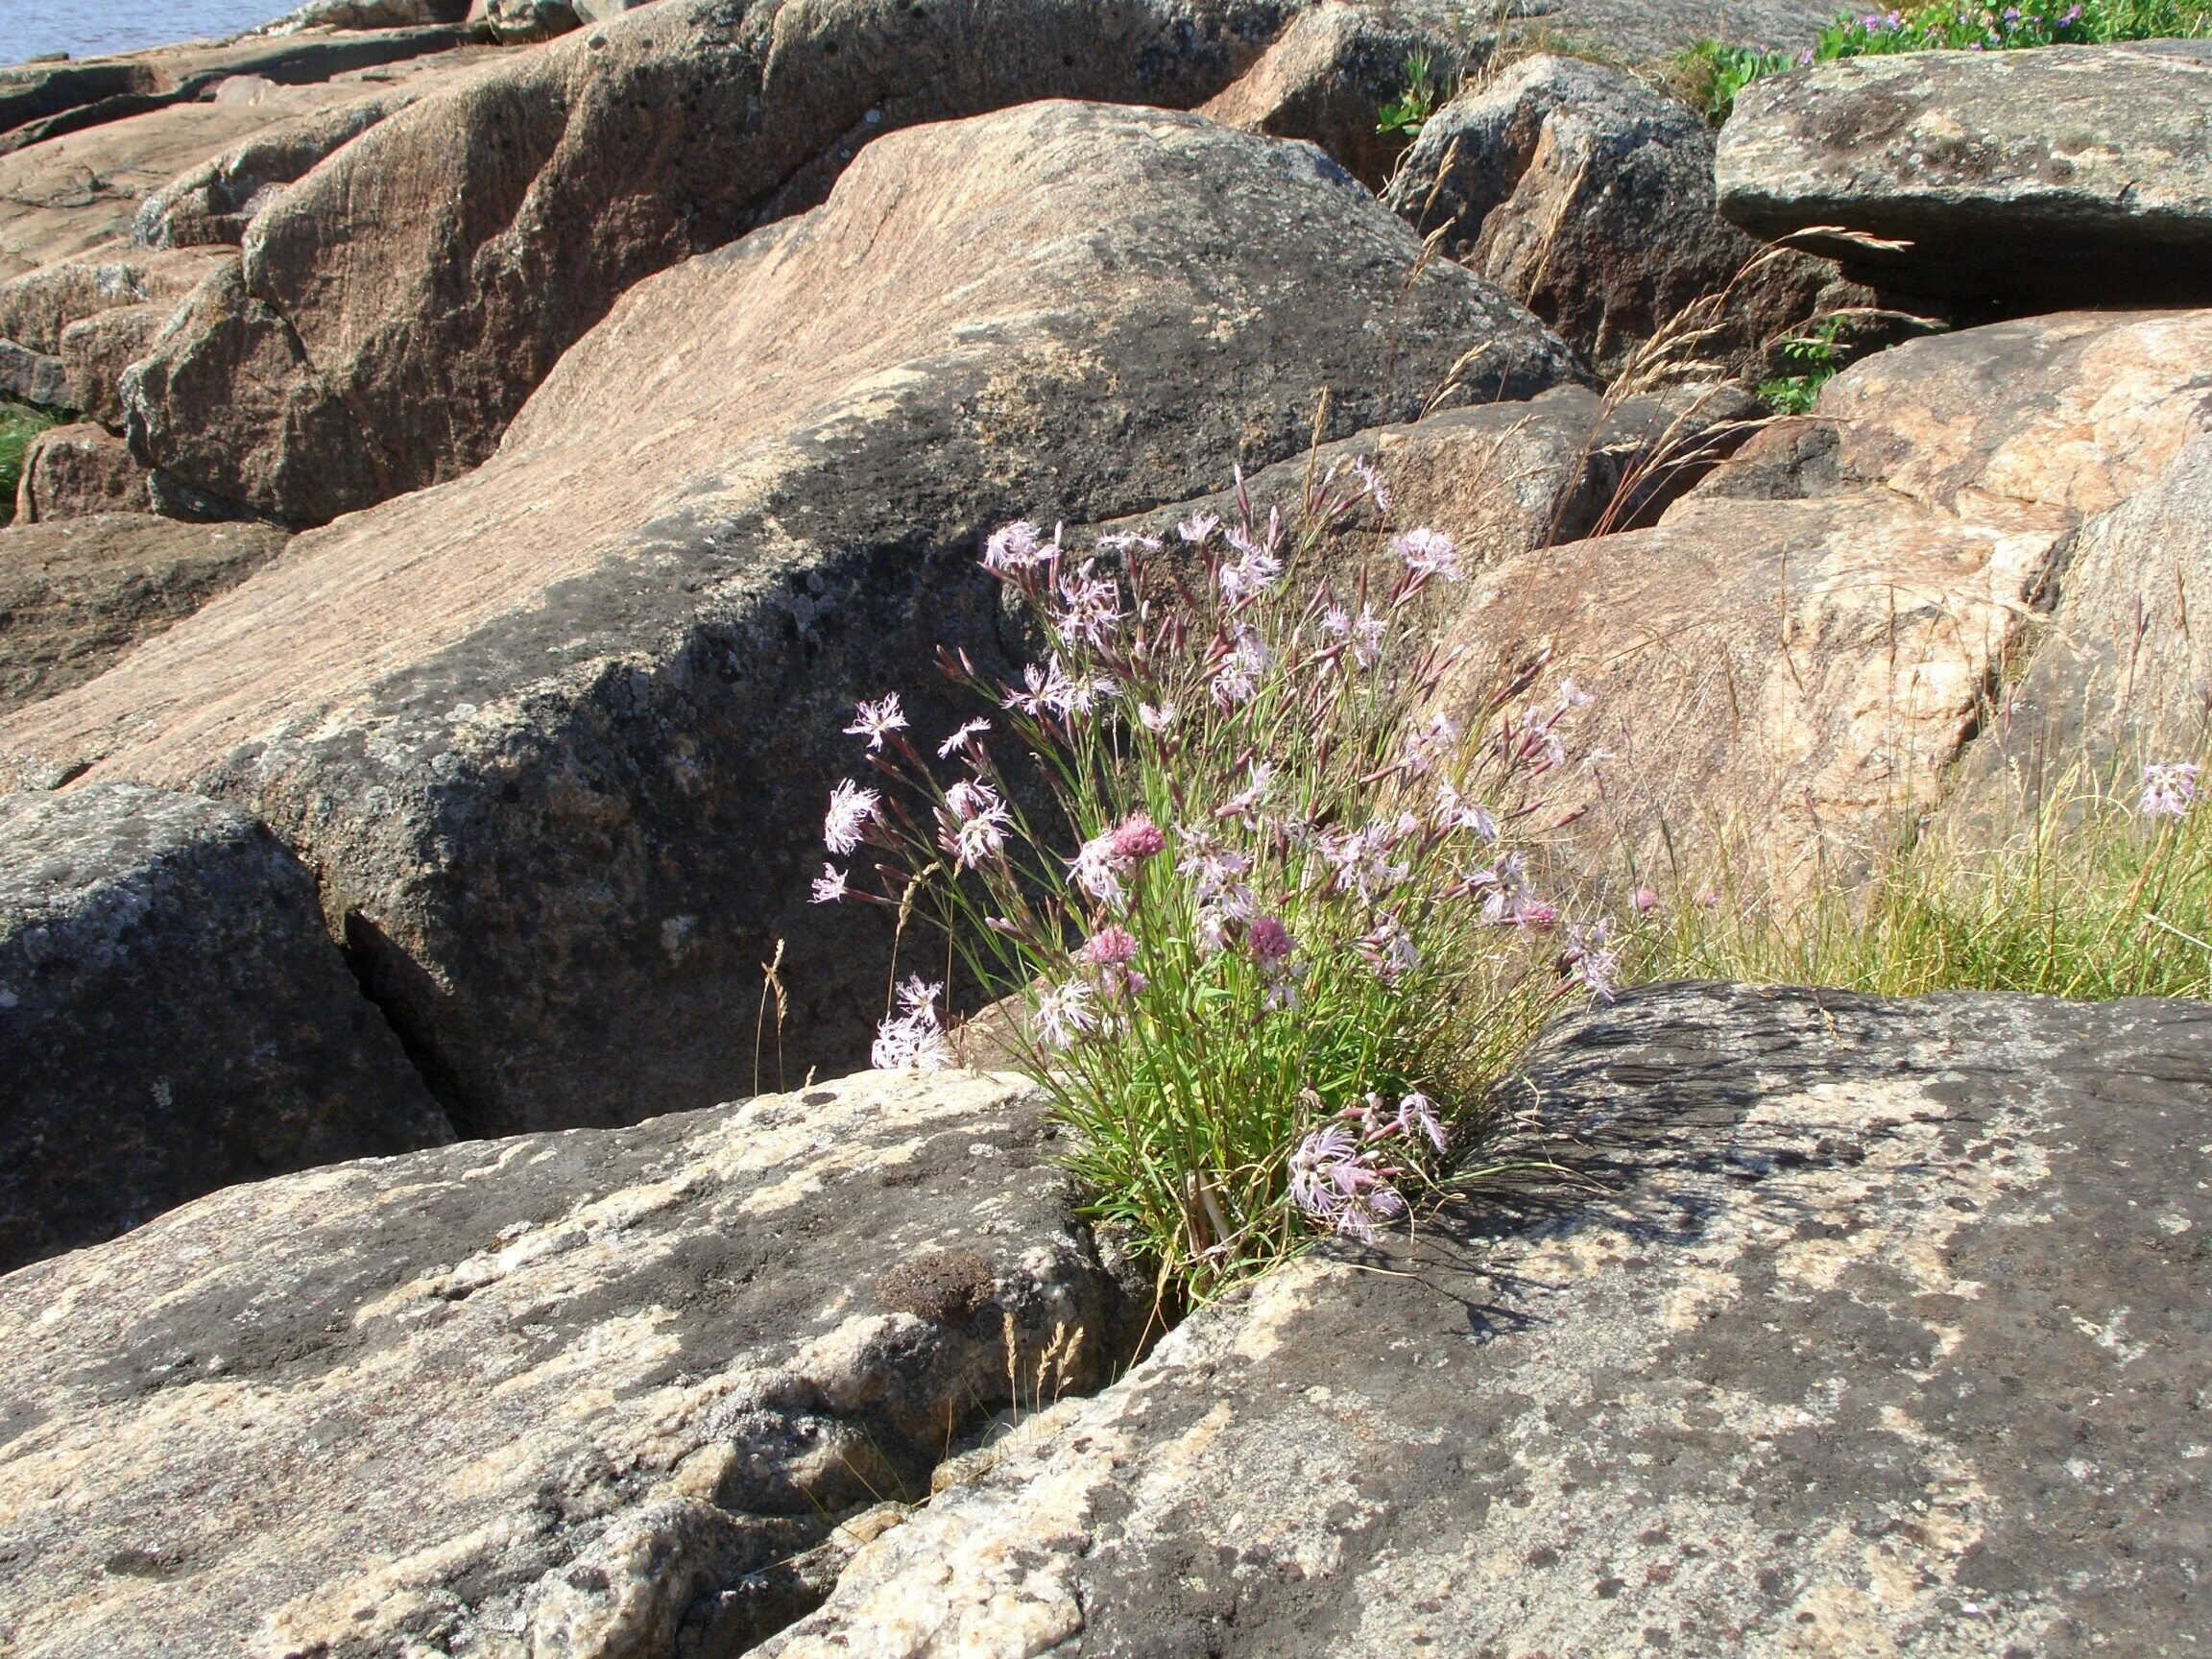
[[91, 27]]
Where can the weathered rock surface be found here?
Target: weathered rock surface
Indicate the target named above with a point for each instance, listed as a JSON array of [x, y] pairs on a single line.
[[1798, 650], [36, 308], [43, 101], [77, 594], [213, 203], [1335, 69], [66, 196], [2064, 177], [96, 350], [2115, 675], [578, 1394], [70, 471], [518, 22], [33, 377], [397, 308], [1871, 1328], [369, 15], [557, 735], [172, 1017], [1587, 194], [1646, 31]]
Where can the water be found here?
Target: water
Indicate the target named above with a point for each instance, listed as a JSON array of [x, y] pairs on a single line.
[[90, 27]]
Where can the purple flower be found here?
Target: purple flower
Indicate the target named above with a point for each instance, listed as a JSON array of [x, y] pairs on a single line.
[[1138, 838], [1646, 901], [1271, 941], [876, 721], [1256, 568], [1335, 1181], [828, 886], [1371, 478], [1416, 1111], [852, 809], [1591, 960], [1196, 528], [1454, 813], [1389, 950], [1090, 607], [2169, 789], [1430, 553]]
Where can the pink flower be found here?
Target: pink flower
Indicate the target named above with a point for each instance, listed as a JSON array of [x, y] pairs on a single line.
[[829, 885], [1645, 900], [1137, 839], [1430, 553], [1110, 948], [876, 721], [1271, 941]]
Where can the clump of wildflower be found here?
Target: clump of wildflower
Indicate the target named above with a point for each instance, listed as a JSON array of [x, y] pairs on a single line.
[[913, 1038], [828, 886], [2169, 789], [1260, 930]]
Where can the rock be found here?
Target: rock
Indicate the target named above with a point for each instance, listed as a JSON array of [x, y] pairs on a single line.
[[2113, 676], [369, 15], [36, 308], [214, 201], [1332, 71], [67, 196], [2065, 177], [1792, 659], [574, 716], [42, 102], [517, 22], [69, 471], [33, 377], [172, 1017], [1587, 194], [1649, 31], [96, 349], [75, 596], [1871, 1328], [581, 1394], [399, 306]]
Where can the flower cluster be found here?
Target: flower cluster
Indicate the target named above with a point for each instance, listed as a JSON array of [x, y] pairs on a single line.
[[2169, 789], [1281, 879]]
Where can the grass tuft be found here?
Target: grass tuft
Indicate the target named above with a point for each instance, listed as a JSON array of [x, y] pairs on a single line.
[[20, 425]]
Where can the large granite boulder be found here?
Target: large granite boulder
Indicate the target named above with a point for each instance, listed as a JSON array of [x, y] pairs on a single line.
[[557, 735], [1789, 663], [2116, 674], [1587, 194], [75, 595], [397, 306], [1336, 67], [36, 308], [172, 1017], [2062, 177], [1650, 32], [1845, 1327], [599, 1395]]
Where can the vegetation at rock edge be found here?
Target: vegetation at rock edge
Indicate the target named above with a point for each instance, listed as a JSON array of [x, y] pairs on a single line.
[[20, 425]]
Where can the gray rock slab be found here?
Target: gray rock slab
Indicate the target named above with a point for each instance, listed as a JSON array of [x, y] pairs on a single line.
[[569, 1395], [2058, 177], [557, 736], [1849, 1327], [172, 1017]]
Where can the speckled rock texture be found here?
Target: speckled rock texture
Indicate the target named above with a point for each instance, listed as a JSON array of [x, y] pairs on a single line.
[[75, 595], [398, 306], [38, 307], [2068, 176], [557, 738], [71, 472], [1646, 31], [1338, 64], [598, 1395], [1798, 651], [1848, 1328], [1586, 193], [172, 1017]]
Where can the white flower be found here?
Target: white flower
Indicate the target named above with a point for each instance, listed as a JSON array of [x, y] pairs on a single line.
[[1454, 813], [961, 738], [1430, 553], [829, 885], [1063, 1014], [1198, 527], [1018, 548], [1156, 719], [1247, 802], [1092, 607], [1097, 870], [912, 1039], [2169, 789], [852, 809], [974, 823], [1377, 491], [1391, 951], [1591, 959], [1256, 568], [876, 721]]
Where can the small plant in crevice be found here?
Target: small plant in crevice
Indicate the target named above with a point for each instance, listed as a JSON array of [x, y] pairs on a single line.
[[20, 425], [1406, 114], [1819, 356], [1292, 927]]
